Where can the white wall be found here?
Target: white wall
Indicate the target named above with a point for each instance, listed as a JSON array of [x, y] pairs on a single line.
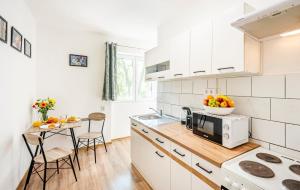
[[17, 84]]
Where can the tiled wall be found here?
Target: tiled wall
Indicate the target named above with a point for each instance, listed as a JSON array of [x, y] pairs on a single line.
[[272, 102]]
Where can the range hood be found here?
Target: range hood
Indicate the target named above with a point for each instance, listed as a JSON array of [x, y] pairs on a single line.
[[277, 19]]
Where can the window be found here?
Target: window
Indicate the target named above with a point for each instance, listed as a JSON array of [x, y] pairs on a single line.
[[131, 84]]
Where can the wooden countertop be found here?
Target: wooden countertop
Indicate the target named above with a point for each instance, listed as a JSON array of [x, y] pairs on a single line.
[[203, 148]]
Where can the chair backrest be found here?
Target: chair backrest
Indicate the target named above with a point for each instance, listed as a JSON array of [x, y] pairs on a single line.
[[33, 139], [97, 116]]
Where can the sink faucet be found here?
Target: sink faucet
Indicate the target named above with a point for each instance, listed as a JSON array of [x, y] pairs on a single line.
[[157, 111]]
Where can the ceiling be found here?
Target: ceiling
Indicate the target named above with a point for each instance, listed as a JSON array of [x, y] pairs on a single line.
[[137, 19]]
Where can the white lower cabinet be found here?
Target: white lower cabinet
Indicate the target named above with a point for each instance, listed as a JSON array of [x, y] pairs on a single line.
[[160, 177], [180, 177], [198, 184]]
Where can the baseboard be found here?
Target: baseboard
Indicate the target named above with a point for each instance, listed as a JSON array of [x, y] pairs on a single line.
[[120, 138]]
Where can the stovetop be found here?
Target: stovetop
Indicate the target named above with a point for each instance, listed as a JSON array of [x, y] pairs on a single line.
[[241, 176]]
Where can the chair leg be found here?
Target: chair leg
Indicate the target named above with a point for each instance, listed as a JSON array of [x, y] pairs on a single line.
[[45, 176], [104, 142], [77, 147], [57, 167], [29, 174], [88, 143], [76, 155], [95, 150], [72, 167]]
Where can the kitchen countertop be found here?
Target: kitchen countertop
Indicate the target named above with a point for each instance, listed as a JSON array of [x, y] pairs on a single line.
[[203, 148]]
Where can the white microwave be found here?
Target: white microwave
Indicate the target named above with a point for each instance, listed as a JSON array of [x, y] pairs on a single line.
[[229, 131]]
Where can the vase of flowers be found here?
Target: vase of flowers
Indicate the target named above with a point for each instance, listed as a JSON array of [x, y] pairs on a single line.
[[43, 106]]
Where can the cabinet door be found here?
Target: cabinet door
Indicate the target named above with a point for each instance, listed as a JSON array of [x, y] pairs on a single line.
[[161, 173], [180, 177], [228, 43], [198, 184], [180, 50], [201, 49]]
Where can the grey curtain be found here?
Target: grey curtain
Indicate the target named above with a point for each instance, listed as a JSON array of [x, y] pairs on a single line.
[[109, 88]]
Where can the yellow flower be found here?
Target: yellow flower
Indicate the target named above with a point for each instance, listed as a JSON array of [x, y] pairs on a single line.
[[52, 101]]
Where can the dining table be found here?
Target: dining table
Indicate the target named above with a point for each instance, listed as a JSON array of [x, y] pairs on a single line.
[[46, 133]]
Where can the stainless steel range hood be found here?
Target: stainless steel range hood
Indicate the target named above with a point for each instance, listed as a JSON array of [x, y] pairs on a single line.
[[277, 19]]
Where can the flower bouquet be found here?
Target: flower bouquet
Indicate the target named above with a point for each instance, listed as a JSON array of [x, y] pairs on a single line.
[[43, 106]]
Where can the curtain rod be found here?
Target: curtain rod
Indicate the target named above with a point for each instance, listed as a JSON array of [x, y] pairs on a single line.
[[130, 47]]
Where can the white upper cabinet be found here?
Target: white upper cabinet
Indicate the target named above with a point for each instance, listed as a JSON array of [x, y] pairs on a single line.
[[201, 49], [180, 55], [158, 54], [233, 51]]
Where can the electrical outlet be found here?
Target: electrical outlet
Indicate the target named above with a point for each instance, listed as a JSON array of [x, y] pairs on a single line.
[[210, 91]]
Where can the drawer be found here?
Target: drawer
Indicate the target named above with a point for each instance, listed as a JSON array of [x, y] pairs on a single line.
[[144, 130], [181, 153], [161, 141], [207, 169]]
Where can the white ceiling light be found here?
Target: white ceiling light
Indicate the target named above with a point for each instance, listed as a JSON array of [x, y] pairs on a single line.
[[294, 32]]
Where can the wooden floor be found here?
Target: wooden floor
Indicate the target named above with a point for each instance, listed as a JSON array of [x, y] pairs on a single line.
[[113, 171]]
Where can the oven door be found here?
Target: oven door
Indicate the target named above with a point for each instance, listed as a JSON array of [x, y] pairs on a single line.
[[208, 127]]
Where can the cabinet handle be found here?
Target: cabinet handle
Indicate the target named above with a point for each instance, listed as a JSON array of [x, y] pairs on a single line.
[[159, 154], [225, 68], [179, 74], [182, 155], [207, 171], [148, 78], [202, 71], [158, 140], [133, 124], [145, 131], [161, 77]]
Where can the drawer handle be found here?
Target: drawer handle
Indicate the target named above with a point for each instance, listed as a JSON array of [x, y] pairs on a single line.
[[162, 77], [133, 124], [158, 140], [148, 78], [179, 74], [145, 131], [159, 154], [203, 71], [225, 68], [178, 153], [207, 171]]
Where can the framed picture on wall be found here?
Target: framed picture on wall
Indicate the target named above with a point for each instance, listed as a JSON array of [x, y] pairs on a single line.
[[3, 30], [27, 48], [78, 60], [16, 39]]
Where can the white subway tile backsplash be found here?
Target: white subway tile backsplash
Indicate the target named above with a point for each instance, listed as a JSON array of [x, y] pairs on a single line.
[[199, 86], [176, 111], [285, 151], [187, 86], [176, 86], [268, 86], [167, 109], [261, 143], [292, 86], [292, 136], [197, 101], [240, 86], [261, 130], [186, 100], [167, 86], [254, 107], [212, 83], [222, 86], [285, 110], [273, 102]]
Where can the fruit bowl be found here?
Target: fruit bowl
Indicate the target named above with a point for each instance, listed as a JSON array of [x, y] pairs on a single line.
[[218, 110]]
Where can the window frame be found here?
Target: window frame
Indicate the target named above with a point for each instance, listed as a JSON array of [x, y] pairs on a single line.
[[136, 98]]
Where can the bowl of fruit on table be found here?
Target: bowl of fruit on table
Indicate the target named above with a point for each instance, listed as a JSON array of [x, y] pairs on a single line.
[[219, 105]]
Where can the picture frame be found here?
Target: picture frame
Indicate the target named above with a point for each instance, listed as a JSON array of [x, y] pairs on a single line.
[[16, 39], [27, 48], [3, 29], [78, 60]]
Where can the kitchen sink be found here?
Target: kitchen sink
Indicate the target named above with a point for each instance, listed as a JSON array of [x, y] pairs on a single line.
[[149, 117]]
